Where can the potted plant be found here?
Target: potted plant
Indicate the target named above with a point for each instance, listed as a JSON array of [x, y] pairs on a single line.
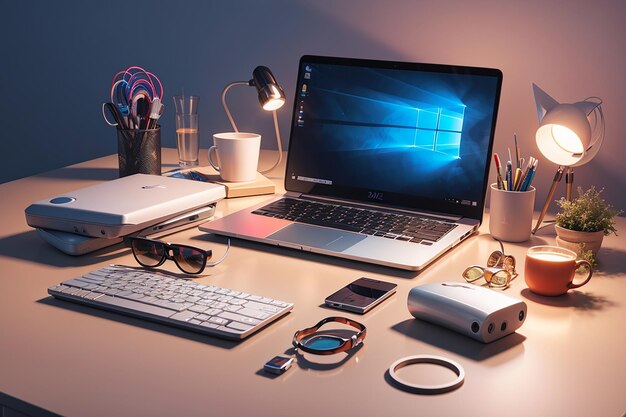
[[583, 222]]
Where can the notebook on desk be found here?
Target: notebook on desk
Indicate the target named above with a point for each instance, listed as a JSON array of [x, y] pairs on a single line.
[[388, 162]]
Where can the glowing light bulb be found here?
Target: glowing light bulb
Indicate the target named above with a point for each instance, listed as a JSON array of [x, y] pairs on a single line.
[[566, 139]]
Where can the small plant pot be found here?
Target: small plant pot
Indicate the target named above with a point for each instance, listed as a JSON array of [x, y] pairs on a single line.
[[571, 239]]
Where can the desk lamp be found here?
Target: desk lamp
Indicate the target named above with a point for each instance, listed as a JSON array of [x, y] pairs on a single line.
[[569, 135], [271, 98]]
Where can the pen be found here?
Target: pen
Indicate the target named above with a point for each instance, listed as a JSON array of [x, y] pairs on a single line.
[[509, 176], [517, 180], [532, 174], [496, 158], [525, 175], [529, 178], [510, 159], [517, 152]]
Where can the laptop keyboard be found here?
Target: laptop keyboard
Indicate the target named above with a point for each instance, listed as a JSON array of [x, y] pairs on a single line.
[[370, 222], [173, 301]]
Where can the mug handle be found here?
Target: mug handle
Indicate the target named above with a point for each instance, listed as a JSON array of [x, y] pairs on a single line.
[[213, 164], [578, 265]]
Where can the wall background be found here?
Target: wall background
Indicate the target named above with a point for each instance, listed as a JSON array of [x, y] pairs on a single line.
[[58, 59]]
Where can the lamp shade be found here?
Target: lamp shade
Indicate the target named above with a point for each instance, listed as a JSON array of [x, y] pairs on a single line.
[[564, 135], [271, 96]]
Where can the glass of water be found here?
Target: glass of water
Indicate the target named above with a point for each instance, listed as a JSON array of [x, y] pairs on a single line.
[[187, 130]]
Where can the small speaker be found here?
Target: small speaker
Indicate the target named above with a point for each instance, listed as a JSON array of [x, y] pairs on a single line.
[[477, 312]]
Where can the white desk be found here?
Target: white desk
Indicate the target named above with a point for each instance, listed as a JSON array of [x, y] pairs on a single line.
[[568, 358]]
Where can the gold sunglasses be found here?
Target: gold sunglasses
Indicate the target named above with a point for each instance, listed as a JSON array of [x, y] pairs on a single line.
[[499, 273]]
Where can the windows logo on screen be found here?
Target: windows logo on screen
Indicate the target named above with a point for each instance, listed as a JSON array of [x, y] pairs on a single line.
[[439, 129]]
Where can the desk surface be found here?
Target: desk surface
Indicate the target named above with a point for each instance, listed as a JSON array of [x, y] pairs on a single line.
[[567, 359]]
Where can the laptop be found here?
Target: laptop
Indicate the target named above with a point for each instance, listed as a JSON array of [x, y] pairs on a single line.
[[387, 164], [122, 206]]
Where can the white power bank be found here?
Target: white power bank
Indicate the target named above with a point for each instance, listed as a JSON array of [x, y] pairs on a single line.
[[477, 312]]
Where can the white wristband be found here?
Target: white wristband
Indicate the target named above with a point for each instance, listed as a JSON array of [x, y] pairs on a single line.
[[427, 389]]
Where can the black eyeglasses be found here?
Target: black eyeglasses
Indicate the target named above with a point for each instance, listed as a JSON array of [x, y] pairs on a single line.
[[152, 253]]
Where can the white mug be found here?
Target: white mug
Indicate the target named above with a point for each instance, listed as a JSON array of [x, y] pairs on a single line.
[[236, 155], [511, 214]]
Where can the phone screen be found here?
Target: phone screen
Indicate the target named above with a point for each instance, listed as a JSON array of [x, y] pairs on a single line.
[[361, 295]]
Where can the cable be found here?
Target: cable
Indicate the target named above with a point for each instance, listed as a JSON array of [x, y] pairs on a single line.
[[232, 123], [230, 117], [278, 143]]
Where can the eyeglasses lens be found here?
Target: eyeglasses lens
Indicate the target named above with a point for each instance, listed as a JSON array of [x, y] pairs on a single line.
[[509, 264], [190, 260], [500, 279], [473, 273], [321, 342], [148, 253], [494, 259]]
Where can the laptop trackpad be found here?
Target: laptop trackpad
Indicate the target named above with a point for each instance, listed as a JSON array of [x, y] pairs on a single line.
[[317, 237]]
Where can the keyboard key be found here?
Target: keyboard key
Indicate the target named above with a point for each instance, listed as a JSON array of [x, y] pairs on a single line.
[[93, 295], [261, 315], [178, 306], [239, 326], [198, 308], [263, 307], [135, 296], [281, 304], [76, 283], [238, 317], [184, 316], [135, 305], [218, 320]]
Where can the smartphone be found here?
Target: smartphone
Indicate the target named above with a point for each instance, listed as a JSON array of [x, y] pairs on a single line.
[[361, 295]]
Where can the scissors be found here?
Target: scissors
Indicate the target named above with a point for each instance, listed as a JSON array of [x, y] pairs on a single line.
[[114, 111], [140, 109]]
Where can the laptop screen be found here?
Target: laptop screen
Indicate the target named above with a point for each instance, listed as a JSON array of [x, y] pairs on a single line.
[[408, 135]]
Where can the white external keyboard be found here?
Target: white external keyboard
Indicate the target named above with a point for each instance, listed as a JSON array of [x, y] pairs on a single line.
[[173, 301]]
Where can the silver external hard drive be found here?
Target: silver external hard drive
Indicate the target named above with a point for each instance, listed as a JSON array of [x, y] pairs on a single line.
[[122, 206], [477, 312]]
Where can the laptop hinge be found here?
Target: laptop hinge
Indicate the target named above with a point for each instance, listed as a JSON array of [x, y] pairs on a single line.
[[438, 216]]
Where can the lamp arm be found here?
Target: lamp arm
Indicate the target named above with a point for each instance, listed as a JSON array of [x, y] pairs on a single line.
[[230, 116], [278, 143]]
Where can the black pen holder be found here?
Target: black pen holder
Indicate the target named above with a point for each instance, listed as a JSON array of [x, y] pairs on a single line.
[[139, 151]]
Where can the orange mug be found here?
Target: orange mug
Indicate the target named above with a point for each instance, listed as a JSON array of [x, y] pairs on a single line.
[[550, 270]]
